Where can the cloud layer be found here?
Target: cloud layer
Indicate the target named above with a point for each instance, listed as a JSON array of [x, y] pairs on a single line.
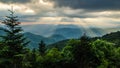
[[89, 4], [80, 12], [15, 1]]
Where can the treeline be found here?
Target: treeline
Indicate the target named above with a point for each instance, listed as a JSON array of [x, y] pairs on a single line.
[[81, 53]]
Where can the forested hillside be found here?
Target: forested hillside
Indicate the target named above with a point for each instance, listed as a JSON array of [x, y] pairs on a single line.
[[113, 37]]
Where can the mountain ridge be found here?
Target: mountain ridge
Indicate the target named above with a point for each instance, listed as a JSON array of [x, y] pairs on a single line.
[[113, 37]]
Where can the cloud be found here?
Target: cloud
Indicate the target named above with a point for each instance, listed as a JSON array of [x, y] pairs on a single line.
[[88, 4], [15, 1], [67, 19], [79, 12]]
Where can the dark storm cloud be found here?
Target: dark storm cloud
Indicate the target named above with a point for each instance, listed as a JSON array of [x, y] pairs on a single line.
[[89, 4], [15, 1]]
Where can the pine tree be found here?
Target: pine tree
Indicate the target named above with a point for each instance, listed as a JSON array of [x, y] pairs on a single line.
[[33, 59], [82, 53], [42, 48], [14, 40]]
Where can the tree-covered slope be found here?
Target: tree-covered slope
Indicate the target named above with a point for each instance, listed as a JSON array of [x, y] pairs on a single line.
[[111, 37]]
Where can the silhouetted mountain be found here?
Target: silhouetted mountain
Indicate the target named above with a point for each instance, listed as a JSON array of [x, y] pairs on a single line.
[[50, 29], [59, 34], [69, 32], [35, 39], [67, 26], [45, 29], [57, 37], [42, 29], [59, 44], [54, 33], [1, 31], [113, 37]]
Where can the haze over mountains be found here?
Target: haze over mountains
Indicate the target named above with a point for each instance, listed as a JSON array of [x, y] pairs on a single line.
[[50, 29], [54, 33]]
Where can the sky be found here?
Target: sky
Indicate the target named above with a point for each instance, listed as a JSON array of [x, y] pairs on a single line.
[[100, 13]]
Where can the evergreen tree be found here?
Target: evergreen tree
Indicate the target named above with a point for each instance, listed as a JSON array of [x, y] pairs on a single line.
[[33, 59], [42, 48], [14, 40], [82, 53]]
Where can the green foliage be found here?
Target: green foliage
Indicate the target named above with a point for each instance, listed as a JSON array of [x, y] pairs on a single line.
[[53, 55], [51, 59], [67, 54], [106, 53]]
